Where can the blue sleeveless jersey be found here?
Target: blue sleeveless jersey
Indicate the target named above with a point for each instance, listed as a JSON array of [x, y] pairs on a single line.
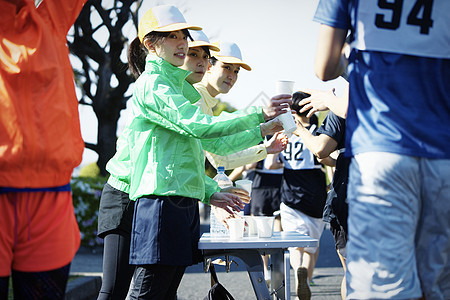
[[399, 75]]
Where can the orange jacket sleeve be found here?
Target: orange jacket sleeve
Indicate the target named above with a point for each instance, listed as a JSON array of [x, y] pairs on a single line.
[[62, 12], [40, 138]]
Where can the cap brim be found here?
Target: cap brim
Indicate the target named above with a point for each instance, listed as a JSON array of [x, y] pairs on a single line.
[[232, 60], [177, 26], [203, 44]]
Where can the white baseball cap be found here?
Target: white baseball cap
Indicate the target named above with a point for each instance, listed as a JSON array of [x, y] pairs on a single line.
[[163, 18], [200, 39], [229, 53]]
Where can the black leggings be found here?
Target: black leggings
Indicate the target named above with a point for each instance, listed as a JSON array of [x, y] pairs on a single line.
[[36, 285], [117, 272]]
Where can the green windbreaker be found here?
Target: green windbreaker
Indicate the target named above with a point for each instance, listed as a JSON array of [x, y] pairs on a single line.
[[164, 152]]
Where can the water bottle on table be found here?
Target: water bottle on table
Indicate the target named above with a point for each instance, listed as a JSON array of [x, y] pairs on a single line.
[[216, 227]]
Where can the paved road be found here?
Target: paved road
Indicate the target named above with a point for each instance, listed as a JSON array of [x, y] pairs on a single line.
[[195, 284]]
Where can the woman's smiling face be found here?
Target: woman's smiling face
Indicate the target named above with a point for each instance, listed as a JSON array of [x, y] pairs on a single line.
[[173, 49]]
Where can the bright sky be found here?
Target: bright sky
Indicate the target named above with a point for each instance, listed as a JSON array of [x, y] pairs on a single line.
[[278, 39]]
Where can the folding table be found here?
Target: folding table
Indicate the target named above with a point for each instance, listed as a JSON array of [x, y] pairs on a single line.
[[250, 249]]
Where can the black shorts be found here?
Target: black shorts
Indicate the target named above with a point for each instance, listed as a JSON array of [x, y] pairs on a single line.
[[339, 234], [266, 195], [115, 214], [265, 201], [336, 213]]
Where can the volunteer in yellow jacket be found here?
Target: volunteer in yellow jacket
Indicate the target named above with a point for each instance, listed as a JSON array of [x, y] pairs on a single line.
[[220, 77], [197, 61], [222, 73], [166, 156]]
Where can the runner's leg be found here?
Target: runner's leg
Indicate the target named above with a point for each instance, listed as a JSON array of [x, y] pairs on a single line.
[[4, 287], [49, 285]]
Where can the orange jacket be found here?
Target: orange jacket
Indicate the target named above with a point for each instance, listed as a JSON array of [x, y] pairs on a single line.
[[40, 138]]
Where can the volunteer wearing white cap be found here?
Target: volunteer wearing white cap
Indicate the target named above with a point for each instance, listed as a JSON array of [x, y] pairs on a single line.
[[220, 77], [159, 159], [198, 55], [116, 210], [197, 62]]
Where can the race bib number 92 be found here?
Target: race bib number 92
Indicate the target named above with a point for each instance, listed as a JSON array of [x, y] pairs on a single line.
[[414, 27]]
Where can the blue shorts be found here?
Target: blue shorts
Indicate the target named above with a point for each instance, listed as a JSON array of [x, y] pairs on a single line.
[[399, 227], [166, 231]]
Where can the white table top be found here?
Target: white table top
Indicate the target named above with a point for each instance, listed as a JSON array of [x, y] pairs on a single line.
[[283, 239]]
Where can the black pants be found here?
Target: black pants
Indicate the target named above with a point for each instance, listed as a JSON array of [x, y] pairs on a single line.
[[156, 282], [36, 285], [117, 272]]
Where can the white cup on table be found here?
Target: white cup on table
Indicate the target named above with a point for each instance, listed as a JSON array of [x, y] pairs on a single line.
[[286, 87], [264, 225], [250, 229], [236, 228]]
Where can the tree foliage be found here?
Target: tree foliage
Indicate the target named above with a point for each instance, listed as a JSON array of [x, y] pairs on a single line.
[[98, 41]]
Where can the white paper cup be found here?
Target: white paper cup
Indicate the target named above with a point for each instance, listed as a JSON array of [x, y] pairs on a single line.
[[244, 184], [288, 123], [264, 225], [250, 229], [284, 87], [236, 228]]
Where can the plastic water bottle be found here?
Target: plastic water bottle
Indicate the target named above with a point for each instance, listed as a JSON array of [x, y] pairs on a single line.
[[216, 227]]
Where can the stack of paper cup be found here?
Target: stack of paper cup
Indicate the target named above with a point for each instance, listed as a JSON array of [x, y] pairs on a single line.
[[286, 87]]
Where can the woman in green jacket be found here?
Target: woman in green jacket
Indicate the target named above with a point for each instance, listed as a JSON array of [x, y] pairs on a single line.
[[116, 210], [165, 154]]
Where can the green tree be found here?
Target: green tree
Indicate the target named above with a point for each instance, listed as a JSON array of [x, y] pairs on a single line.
[[98, 43]]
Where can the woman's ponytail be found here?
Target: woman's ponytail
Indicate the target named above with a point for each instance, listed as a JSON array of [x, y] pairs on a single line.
[[136, 57]]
